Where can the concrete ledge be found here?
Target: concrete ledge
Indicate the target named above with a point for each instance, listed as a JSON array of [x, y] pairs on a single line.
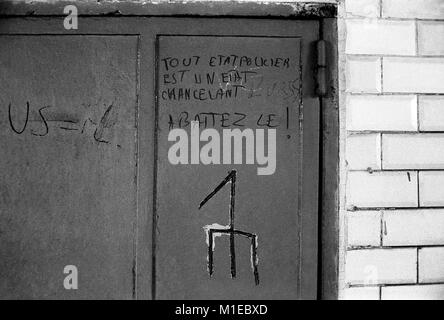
[[313, 9]]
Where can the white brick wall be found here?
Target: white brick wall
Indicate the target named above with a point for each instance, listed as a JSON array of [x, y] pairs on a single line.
[[411, 75], [428, 32], [362, 293], [421, 9], [423, 227], [431, 113], [431, 192], [379, 35], [381, 266], [421, 292], [413, 151], [363, 8], [364, 228], [382, 189], [363, 151], [431, 262], [382, 113], [363, 74], [392, 120]]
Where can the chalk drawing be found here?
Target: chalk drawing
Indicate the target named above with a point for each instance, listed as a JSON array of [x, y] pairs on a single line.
[[216, 230]]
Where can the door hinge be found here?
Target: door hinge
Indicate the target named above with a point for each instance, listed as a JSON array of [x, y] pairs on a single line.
[[321, 68]]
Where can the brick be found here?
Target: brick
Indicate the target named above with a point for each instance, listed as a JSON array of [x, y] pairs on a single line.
[[413, 227], [368, 36], [413, 151], [422, 9], [430, 35], [380, 266], [364, 228], [363, 8], [363, 151], [431, 113], [382, 189], [361, 293], [431, 191], [421, 75], [418, 292], [431, 264], [363, 74], [381, 113]]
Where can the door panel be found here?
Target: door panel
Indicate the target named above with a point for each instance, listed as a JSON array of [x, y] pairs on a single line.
[[68, 163], [244, 83]]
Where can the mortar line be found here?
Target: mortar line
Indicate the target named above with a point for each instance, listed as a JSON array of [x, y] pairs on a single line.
[[416, 38], [417, 188], [417, 114], [417, 265]]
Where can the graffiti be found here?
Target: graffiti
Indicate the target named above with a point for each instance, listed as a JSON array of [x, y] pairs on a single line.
[[101, 127], [230, 231]]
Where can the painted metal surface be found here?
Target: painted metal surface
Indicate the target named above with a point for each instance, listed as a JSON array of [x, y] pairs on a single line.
[[234, 83], [67, 166], [329, 169], [125, 55], [300, 9]]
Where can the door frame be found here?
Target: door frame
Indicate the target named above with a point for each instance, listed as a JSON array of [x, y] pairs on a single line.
[[325, 13]]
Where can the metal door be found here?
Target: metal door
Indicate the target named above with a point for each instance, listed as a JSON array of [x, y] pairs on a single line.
[[89, 183]]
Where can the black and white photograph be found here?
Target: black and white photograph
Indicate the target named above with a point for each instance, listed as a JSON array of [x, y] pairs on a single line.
[[221, 156]]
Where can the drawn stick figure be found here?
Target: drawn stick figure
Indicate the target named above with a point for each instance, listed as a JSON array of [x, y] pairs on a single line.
[[230, 230]]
